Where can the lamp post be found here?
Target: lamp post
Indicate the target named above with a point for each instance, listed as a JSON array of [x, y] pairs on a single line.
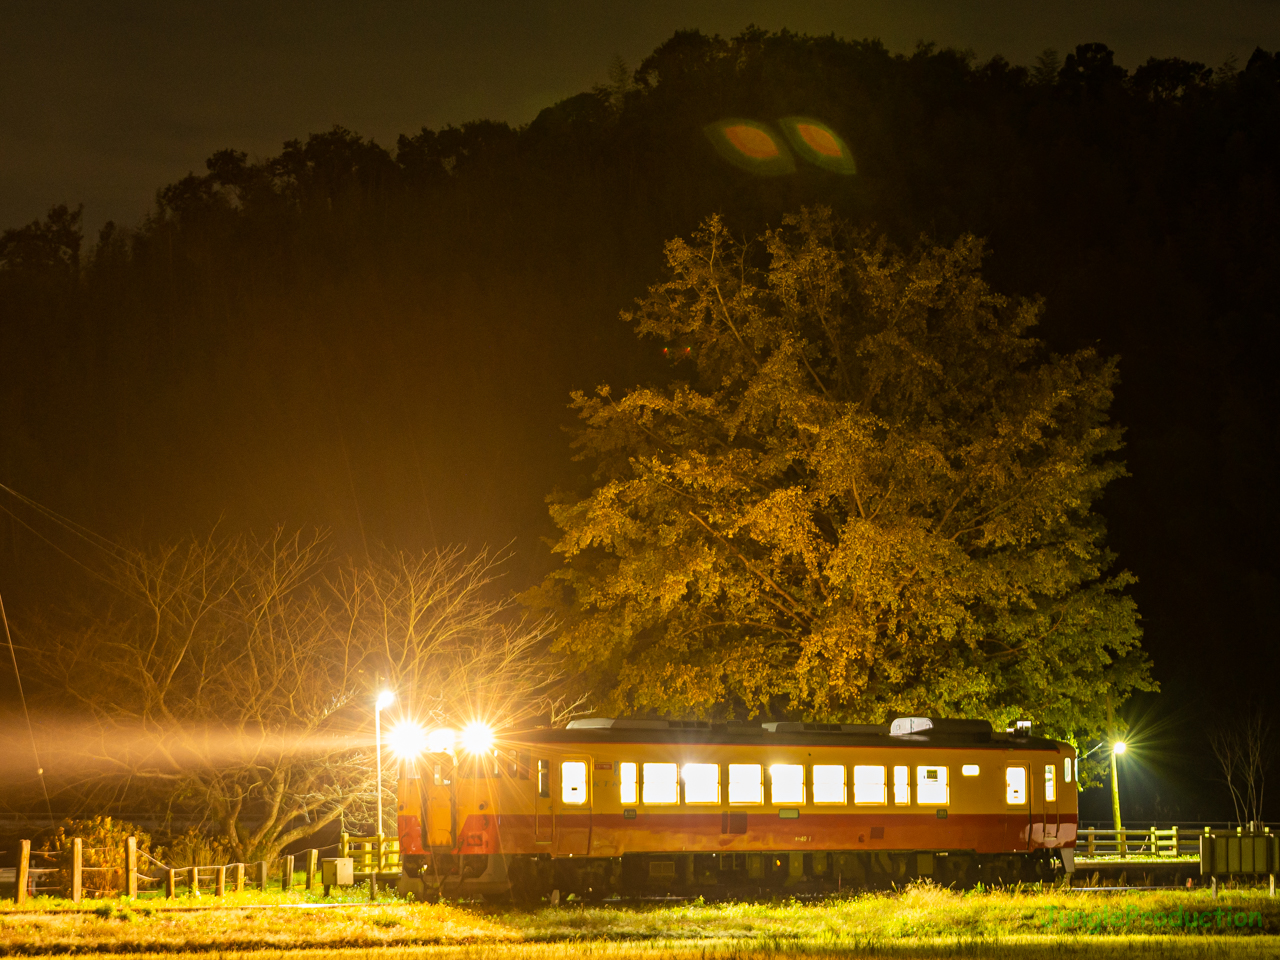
[[1117, 748], [384, 700]]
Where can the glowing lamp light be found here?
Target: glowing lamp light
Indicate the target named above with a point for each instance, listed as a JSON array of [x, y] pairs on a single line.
[[477, 738], [1119, 747], [407, 740], [441, 740], [385, 699]]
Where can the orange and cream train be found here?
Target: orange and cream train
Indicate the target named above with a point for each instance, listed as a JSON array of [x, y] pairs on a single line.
[[630, 807]]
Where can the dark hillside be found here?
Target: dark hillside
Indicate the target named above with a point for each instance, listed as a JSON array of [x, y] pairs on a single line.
[[383, 341]]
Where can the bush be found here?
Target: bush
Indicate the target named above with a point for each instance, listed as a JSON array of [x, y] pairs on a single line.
[[102, 860], [195, 848]]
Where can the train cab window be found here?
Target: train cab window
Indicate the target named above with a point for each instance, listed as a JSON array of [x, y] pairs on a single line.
[[701, 782], [544, 778], [869, 785], [746, 783], [1066, 770], [1015, 786], [1050, 785], [786, 783], [969, 770], [573, 782], [902, 786], [931, 785], [628, 788], [829, 783], [661, 784]]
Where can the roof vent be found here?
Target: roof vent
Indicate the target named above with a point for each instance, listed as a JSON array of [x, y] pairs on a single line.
[[790, 726], [633, 723], [905, 725], [941, 726]]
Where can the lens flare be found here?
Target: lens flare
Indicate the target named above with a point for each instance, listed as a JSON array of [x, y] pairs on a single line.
[[441, 740], [1119, 747], [819, 144], [385, 699], [751, 146], [477, 738], [407, 740]]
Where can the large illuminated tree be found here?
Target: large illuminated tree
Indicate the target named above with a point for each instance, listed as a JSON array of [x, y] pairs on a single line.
[[874, 493]]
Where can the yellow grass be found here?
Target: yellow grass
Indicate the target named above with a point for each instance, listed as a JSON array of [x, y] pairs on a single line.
[[921, 921]]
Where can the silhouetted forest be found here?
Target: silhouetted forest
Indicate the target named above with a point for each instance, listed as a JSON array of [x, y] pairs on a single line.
[[384, 340]]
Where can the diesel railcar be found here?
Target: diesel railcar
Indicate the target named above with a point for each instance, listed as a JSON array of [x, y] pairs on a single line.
[[632, 807]]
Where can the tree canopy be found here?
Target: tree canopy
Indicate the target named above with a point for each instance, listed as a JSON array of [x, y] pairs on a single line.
[[873, 492]]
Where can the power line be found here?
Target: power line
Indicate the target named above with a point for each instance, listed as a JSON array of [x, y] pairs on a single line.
[[23, 698]]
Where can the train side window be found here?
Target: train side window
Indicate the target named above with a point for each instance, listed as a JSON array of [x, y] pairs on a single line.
[[1015, 786], [786, 783], [573, 782], [969, 770], [544, 778], [628, 788], [1050, 786], [869, 785], [931, 785], [701, 782], [902, 786], [661, 784], [829, 783], [1066, 770], [746, 783]]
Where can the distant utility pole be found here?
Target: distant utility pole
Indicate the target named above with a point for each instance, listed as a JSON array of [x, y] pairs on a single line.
[[1116, 747]]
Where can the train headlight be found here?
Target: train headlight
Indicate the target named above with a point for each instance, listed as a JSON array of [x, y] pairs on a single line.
[[477, 738], [407, 740]]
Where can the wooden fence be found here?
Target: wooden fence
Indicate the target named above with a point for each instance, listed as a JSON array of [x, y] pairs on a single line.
[[1146, 842], [62, 872], [377, 854]]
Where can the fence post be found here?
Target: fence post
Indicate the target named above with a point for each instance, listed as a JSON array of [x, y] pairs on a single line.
[[286, 875], [1177, 843], [262, 875], [342, 845], [77, 861], [1089, 840], [312, 856], [238, 876], [193, 881], [24, 871], [1154, 849], [220, 879], [171, 883], [131, 867]]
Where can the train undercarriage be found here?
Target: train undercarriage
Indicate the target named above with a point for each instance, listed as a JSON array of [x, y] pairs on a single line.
[[529, 878]]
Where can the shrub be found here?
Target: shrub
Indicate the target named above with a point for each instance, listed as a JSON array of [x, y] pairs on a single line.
[[195, 848], [102, 860]]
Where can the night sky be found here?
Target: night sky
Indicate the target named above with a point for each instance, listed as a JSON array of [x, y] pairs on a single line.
[[431, 409], [103, 103]]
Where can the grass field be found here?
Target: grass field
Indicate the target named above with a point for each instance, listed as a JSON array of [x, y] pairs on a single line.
[[920, 921]]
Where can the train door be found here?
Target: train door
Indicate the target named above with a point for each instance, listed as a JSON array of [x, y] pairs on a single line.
[[1049, 785], [572, 801], [1018, 791], [439, 809], [543, 821]]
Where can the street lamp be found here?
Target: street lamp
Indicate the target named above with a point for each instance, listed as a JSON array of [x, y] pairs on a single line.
[[385, 699], [1118, 747]]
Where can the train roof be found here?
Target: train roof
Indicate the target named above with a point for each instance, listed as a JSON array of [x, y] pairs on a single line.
[[905, 732]]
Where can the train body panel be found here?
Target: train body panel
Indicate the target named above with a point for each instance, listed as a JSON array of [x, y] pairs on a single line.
[[559, 804]]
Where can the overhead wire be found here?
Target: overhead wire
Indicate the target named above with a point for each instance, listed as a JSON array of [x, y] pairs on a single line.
[[22, 697]]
